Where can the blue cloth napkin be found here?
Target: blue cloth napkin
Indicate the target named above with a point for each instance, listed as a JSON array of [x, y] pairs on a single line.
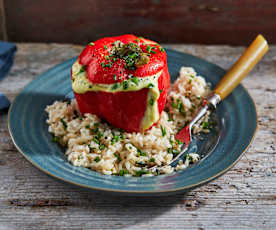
[[7, 51]]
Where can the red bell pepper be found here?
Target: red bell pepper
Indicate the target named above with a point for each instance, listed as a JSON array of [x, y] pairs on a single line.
[[123, 109]]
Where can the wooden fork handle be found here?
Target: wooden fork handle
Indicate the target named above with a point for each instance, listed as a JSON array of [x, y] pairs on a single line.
[[250, 57]]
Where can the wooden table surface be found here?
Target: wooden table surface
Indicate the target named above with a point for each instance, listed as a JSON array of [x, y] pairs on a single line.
[[244, 198]]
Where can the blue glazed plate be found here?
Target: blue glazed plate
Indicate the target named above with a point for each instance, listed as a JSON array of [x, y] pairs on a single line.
[[236, 116]]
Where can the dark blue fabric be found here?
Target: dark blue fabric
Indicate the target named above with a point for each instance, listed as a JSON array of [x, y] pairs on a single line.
[[4, 102], [7, 51]]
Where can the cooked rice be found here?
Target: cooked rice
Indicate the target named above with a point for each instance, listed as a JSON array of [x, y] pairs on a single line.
[[99, 146]]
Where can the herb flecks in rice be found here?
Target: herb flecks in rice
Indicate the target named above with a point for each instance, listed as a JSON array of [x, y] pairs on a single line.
[[96, 145]]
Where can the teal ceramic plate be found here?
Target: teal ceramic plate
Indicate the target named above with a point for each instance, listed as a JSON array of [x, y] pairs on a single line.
[[237, 123]]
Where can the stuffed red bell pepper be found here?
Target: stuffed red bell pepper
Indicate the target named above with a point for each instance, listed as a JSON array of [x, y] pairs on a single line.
[[123, 80]]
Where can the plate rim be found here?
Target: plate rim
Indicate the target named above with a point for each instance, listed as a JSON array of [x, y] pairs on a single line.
[[133, 192]]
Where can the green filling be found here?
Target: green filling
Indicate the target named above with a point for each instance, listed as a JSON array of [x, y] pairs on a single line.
[[152, 114], [132, 54]]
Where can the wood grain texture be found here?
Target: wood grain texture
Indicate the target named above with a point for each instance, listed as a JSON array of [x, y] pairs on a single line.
[[3, 30], [244, 198], [169, 21]]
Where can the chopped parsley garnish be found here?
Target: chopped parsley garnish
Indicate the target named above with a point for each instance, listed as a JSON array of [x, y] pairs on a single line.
[[115, 86], [109, 65], [135, 80], [125, 84], [99, 135], [179, 107], [150, 85], [161, 49], [170, 117], [96, 140], [122, 136], [105, 47], [63, 123], [152, 159], [174, 105], [114, 77], [129, 66], [123, 172], [205, 125], [117, 156], [179, 104], [91, 43], [102, 147], [106, 57], [151, 101], [140, 153], [116, 43], [178, 142], [150, 49], [161, 90], [87, 127], [55, 139], [163, 130], [141, 172], [97, 159], [115, 139], [82, 69]]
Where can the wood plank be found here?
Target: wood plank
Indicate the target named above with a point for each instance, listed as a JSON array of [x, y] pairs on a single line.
[[169, 21], [244, 198], [3, 31]]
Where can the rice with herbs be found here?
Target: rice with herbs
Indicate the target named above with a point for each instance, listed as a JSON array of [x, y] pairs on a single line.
[[97, 145]]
